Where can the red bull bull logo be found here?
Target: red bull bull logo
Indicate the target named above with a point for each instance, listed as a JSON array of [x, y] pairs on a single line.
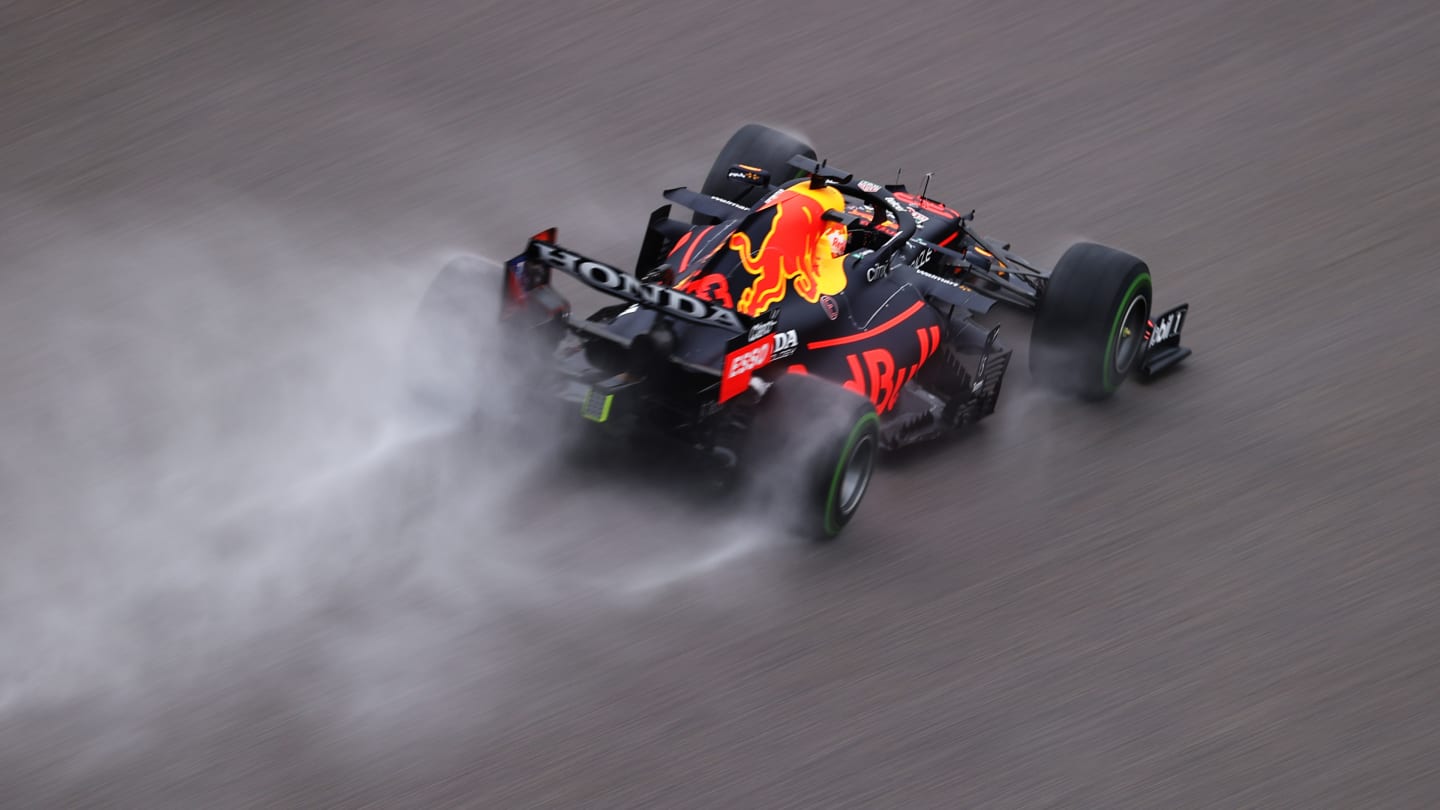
[[799, 245]]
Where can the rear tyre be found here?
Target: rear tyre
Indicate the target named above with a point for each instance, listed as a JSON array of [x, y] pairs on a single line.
[[1089, 329], [753, 145], [444, 374], [813, 448]]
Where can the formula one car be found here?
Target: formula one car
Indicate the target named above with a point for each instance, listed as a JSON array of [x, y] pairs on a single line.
[[800, 322]]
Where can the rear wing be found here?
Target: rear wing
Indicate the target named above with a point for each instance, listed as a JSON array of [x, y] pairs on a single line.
[[752, 344], [546, 256]]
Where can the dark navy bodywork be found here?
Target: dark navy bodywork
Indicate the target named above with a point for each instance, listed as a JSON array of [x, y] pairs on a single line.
[[675, 356]]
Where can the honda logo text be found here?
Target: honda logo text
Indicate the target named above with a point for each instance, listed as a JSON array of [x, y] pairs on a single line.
[[605, 278]]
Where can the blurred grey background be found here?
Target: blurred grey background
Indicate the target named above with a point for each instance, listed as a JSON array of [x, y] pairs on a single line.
[[229, 579]]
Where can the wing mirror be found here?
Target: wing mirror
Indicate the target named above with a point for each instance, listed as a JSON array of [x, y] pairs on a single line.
[[749, 175]]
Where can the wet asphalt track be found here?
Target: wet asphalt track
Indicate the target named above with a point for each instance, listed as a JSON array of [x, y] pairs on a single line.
[[1215, 591]]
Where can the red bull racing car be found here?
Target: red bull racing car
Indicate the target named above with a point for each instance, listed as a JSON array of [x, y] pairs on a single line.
[[798, 322]]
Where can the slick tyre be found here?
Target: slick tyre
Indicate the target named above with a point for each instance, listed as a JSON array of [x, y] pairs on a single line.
[[753, 145], [1089, 329], [813, 450]]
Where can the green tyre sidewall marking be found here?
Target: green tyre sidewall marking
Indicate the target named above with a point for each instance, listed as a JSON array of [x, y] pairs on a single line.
[[1109, 368], [831, 529]]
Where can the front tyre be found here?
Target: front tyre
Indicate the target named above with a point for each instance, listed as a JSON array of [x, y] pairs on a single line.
[[1089, 329], [814, 446]]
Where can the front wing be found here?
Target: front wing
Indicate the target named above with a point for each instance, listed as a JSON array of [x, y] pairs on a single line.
[[1162, 342]]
